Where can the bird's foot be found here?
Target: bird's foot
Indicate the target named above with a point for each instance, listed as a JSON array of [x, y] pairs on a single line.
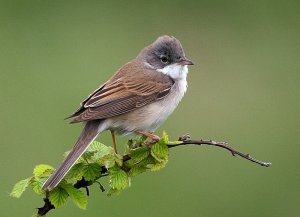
[[152, 136]]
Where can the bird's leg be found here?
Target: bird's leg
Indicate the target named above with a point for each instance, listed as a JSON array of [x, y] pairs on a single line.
[[152, 136], [114, 141]]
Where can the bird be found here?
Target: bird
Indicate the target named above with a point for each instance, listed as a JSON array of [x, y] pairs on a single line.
[[137, 99]]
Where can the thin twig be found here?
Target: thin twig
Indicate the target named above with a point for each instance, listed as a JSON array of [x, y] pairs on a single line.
[[46, 208], [186, 140]]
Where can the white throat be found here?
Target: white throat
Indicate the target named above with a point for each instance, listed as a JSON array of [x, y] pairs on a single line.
[[178, 73], [175, 71]]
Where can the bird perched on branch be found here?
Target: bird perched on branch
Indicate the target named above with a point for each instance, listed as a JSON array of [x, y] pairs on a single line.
[[137, 99]]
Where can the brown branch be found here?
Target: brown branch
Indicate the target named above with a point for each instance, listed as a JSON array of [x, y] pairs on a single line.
[[46, 208], [186, 140]]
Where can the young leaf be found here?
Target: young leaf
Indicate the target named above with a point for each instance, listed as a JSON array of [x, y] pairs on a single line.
[[139, 154], [58, 197], [160, 151], [76, 172], [142, 139], [136, 170], [91, 171], [20, 187], [87, 156], [108, 160], [36, 183], [129, 146], [100, 150], [158, 166], [118, 159], [77, 196], [41, 169], [164, 139], [95, 146], [147, 162], [118, 178]]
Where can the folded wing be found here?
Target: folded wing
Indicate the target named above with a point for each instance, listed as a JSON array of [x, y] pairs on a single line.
[[121, 95]]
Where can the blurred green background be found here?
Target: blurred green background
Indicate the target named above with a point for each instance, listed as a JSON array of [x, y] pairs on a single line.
[[244, 89]]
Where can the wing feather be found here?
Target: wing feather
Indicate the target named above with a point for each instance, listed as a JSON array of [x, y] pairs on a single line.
[[122, 95]]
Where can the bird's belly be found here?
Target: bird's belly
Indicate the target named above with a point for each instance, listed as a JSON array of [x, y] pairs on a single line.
[[149, 117]]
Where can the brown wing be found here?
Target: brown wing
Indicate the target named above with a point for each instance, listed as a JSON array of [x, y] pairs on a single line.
[[124, 93]]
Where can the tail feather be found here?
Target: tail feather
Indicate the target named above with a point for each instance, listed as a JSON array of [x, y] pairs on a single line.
[[87, 136]]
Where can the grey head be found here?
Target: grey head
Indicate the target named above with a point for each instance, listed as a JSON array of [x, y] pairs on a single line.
[[164, 51]]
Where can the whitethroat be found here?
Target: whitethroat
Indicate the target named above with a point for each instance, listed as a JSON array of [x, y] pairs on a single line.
[[138, 98]]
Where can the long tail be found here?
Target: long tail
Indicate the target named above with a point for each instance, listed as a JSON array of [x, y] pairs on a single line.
[[87, 136]]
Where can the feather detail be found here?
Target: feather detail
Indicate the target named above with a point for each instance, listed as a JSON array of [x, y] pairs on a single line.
[[122, 94]]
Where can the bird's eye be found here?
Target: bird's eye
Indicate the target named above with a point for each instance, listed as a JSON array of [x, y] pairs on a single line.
[[164, 59]]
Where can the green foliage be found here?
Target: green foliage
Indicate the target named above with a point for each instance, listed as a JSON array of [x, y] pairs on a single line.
[[108, 161], [19, 188], [77, 196], [160, 152], [41, 169], [100, 150], [97, 162], [91, 171], [58, 196], [76, 172], [40, 174], [36, 183], [119, 179], [139, 154]]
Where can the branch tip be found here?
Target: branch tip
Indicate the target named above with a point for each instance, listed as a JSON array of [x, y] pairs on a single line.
[[186, 140]]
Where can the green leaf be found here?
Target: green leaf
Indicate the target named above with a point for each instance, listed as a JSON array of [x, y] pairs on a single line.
[[136, 170], [76, 172], [129, 146], [20, 187], [41, 169], [139, 154], [149, 161], [36, 183], [118, 159], [158, 166], [142, 139], [77, 196], [87, 156], [118, 178], [100, 150], [164, 139], [160, 151], [58, 196], [91, 171], [108, 160]]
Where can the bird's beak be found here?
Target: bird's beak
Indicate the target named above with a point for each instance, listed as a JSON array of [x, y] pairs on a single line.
[[185, 61]]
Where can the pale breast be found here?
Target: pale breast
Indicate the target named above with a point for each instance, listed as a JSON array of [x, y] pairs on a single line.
[[151, 116]]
